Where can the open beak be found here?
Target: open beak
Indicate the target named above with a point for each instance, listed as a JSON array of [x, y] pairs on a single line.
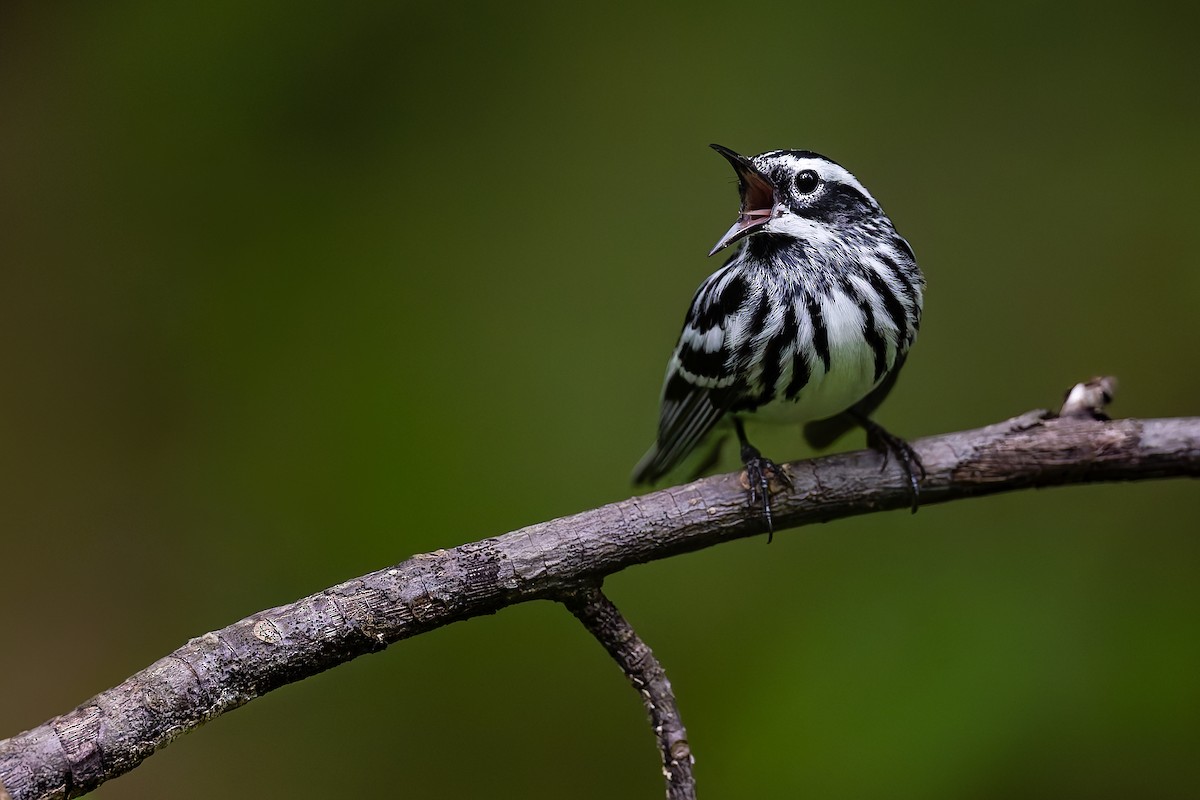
[[758, 198]]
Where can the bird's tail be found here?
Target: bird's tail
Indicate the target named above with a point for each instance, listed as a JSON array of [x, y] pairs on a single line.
[[657, 463], [650, 468]]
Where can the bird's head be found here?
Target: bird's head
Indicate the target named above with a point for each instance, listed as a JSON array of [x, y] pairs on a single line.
[[796, 194]]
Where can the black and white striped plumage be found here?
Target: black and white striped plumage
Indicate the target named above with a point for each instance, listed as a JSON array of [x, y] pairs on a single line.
[[810, 320]]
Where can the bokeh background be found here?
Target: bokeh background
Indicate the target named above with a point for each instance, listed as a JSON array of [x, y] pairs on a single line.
[[293, 291]]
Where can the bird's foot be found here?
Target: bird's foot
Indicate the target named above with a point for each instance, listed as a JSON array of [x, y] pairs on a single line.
[[879, 439], [759, 474]]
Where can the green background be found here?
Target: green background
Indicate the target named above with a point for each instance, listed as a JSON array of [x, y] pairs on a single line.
[[293, 291]]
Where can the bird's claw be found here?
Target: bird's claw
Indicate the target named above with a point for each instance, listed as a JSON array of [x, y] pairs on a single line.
[[759, 474], [886, 444]]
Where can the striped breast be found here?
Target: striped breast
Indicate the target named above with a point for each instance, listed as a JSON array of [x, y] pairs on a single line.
[[826, 340]]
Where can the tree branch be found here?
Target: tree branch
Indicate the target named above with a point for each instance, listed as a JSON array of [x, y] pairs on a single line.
[[637, 661], [114, 731]]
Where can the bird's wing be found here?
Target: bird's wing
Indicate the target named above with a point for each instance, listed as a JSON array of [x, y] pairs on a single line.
[[689, 412], [701, 383]]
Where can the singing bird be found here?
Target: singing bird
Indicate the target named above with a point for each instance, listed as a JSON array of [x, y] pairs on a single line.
[[809, 321]]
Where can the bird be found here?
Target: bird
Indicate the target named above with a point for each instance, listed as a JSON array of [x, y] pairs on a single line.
[[808, 321]]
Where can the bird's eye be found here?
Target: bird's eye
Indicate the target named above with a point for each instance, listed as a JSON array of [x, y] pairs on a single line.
[[807, 181]]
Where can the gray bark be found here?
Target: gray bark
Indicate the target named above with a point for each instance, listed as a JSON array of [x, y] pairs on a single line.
[[649, 680], [114, 731]]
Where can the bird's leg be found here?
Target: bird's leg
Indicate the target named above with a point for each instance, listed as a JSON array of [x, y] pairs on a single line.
[[886, 443], [759, 472]]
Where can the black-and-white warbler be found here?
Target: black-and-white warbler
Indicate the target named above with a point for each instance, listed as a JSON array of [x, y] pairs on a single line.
[[809, 321]]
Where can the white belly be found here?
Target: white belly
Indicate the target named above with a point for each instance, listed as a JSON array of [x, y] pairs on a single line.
[[851, 375]]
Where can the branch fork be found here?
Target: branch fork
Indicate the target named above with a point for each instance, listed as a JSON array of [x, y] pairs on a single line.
[[565, 560]]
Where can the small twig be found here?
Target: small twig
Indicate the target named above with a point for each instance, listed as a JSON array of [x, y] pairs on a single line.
[[645, 673], [1088, 400]]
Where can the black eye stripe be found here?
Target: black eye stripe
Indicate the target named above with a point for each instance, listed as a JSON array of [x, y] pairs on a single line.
[[807, 181]]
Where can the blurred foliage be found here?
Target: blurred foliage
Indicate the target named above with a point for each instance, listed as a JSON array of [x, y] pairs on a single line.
[[294, 291]]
